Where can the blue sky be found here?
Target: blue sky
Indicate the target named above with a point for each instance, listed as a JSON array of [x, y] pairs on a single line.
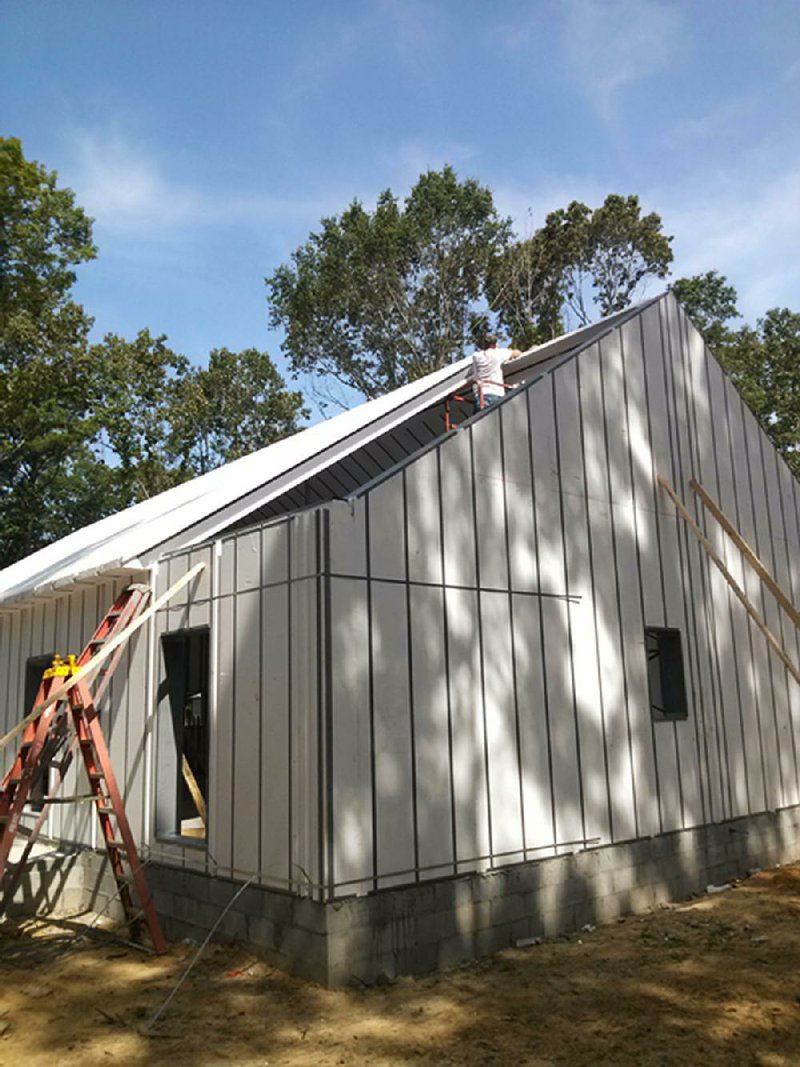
[[208, 138]]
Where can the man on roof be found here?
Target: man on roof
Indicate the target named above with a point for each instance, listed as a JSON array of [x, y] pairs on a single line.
[[487, 372]]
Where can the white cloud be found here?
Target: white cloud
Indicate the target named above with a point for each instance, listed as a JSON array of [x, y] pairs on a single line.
[[613, 44], [126, 188]]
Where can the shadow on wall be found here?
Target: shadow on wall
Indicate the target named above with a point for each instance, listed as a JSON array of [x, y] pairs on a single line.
[[524, 723]]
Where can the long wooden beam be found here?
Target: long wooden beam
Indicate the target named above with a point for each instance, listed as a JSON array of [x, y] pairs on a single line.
[[738, 592], [64, 687], [747, 552]]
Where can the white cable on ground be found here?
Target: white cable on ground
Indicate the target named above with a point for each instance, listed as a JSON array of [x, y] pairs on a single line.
[[151, 1023]]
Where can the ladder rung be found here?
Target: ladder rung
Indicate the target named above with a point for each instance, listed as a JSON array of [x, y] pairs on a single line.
[[120, 845], [106, 808], [95, 776]]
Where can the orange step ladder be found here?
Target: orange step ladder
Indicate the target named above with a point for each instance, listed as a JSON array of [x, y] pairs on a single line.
[[48, 734]]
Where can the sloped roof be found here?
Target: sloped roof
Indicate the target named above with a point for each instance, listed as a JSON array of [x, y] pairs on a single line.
[[197, 510]]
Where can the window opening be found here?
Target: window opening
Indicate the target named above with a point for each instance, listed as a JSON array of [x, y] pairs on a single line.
[[183, 736], [665, 674], [35, 666]]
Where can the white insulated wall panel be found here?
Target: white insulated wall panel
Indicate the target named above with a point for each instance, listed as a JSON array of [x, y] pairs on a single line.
[[606, 609], [502, 741], [393, 742], [732, 634], [778, 748], [689, 732], [534, 733], [424, 519], [692, 376], [458, 511], [586, 676], [387, 536], [432, 742], [275, 736], [786, 631], [246, 713], [305, 726], [519, 495], [470, 797], [757, 696], [351, 754], [490, 514], [220, 816]]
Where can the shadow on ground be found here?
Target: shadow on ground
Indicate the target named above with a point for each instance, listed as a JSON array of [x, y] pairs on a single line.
[[711, 982]]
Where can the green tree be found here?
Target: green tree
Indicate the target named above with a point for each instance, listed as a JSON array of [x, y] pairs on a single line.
[[134, 394], [379, 298], [607, 251], [46, 487], [764, 363], [236, 405], [710, 302]]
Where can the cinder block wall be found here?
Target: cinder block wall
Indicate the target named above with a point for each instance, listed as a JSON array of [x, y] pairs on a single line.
[[433, 925]]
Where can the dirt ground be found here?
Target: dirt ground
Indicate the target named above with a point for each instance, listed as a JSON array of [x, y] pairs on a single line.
[[715, 981]]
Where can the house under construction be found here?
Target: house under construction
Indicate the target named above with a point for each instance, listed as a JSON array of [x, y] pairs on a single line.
[[444, 681]]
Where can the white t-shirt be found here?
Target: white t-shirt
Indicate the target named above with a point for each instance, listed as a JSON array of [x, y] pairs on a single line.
[[487, 368]]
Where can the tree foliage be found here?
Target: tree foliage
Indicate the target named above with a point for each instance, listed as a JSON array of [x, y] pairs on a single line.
[[607, 252], [710, 301], [378, 298], [375, 299], [764, 362], [88, 429], [235, 405]]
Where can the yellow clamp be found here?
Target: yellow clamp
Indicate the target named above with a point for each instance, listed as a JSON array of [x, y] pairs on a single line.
[[62, 668]]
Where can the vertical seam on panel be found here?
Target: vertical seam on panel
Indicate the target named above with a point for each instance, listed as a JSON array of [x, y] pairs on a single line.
[[796, 642], [446, 649], [678, 541], [763, 601], [234, 645], [290, 529], [590, 543], [480, 639], [620, 631], [371, 698], [329, 699], [718, 490], [642, 622], [754, 640], [321, 812], [511, 632], [708, 611], [698, 554], [542, 649], [747, 621], [780, 616], [410, 665], [567, 607]]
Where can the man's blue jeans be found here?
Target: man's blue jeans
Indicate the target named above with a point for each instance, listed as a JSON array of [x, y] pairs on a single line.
[[488, 398]]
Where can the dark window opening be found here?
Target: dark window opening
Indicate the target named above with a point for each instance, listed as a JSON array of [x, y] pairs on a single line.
[[183, 736], [665, 675], [34, 668]]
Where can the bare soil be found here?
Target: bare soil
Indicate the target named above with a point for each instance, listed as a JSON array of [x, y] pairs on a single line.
[[715, 981]]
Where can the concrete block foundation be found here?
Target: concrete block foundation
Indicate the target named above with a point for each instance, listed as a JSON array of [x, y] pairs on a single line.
[[427, 926]]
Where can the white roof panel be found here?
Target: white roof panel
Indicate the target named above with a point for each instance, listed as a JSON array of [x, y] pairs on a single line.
[[200, 508]]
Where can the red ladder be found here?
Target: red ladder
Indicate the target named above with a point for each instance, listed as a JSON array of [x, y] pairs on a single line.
[[46, 735]]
